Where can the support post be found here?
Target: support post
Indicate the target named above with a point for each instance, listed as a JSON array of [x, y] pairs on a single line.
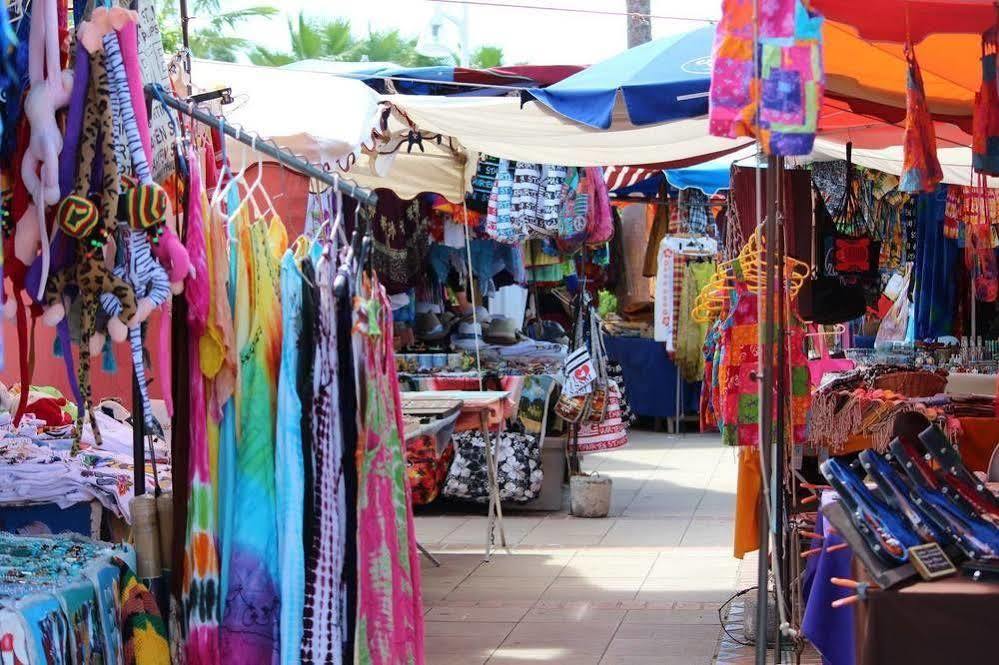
[[766, 391]]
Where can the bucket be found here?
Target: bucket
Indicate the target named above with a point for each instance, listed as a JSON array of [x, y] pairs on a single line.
[[589, 496]]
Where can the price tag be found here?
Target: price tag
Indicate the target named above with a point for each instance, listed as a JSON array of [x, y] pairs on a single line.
[[930, 561]]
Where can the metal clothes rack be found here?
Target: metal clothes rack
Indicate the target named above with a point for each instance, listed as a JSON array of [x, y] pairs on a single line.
[[267, 147], [275, 152]]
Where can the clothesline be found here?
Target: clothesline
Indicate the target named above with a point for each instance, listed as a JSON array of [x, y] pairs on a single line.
[[573, 10]]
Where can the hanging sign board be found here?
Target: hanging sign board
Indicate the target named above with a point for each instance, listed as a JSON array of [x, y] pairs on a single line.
[[154, 71]]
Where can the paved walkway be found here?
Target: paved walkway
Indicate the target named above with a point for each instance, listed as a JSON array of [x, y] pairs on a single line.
[[640, 587]]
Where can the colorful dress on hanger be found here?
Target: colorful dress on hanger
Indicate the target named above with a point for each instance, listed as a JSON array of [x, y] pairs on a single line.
[[201, 563], [289, 466], [325, 626], [227, 427], [250, 630], [390, 615]]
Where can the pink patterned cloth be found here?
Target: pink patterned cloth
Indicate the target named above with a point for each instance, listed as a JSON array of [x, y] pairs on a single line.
[[201, 561], [390, 611]]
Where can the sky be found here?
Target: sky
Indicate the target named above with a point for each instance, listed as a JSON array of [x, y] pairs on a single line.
[[526, 35]]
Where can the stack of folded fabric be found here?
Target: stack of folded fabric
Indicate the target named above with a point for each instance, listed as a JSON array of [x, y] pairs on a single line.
[[36, 465]]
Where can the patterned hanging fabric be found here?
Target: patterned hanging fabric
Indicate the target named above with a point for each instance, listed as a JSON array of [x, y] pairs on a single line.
[[201, 564], [324, 622], [985, 123], [250, 623], [921, 170], [289, 466], [390, 615], [783, 86]]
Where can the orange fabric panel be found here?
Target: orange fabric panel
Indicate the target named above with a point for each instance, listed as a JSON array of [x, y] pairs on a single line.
[[978, 439], [749, 485], [876, 71]]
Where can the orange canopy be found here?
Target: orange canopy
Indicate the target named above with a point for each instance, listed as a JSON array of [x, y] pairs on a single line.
[[871, 76]]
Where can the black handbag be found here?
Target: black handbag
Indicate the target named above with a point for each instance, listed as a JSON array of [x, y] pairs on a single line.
[[824, 299]]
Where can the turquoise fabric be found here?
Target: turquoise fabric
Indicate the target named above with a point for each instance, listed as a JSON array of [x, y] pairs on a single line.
[[290, 466]]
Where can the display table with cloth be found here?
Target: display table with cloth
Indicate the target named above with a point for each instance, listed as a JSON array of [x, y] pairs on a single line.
[[489, 406], [650, 378], [66, 596]]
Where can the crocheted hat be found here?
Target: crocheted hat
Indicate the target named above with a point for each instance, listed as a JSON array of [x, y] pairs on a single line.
[[145, 205], [77, 216]]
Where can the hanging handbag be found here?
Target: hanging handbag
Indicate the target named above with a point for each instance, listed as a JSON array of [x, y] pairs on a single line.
[[896, 322], [823, 298], [824, 364], [599, 396], [578, 374], [608, 434]]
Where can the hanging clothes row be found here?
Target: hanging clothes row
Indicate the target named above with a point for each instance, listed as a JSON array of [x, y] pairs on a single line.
[[299, 541]]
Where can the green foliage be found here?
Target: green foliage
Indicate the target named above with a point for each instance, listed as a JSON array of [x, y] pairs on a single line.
[[332, 39], [210, 30], [486, 57]]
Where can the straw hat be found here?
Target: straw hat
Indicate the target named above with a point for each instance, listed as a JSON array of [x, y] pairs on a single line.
[[501, 331]]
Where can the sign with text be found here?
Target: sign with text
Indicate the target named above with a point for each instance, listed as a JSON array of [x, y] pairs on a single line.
[[151, 60], [930, 561]]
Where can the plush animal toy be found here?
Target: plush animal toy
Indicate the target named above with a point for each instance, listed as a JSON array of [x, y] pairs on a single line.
[[92, 227], [145, 206], [50, 90], [79, 218]]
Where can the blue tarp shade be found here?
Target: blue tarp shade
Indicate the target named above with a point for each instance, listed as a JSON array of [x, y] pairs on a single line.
[[665, 79], [712, 176], [708, 177]]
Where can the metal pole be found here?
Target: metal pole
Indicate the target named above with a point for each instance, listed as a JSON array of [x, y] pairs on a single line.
[[782, 393], [185, 19], [268, 148], [766, 391], [138, 439]]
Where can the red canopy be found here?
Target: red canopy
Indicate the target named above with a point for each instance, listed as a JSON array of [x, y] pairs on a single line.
[[895, 20]]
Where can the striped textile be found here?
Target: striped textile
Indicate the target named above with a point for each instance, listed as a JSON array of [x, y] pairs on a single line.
[[122, 99], [324, 594], [148, 280], [618, 177]]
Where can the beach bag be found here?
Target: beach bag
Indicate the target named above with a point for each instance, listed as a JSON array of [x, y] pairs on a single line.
[[518, 468], [498, 221], [425, 469], [824, 364], [575, 208], [893, 327], [477, 200], [608, 434], [600, 226], [824, 299], [985, 121], [549, 200], [920, 167]]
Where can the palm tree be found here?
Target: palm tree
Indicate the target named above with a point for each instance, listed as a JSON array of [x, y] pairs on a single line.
[[213, 40], [310, 39], [334, 40], [639, 27]]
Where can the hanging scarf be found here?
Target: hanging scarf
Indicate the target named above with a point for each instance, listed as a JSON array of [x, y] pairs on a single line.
[[920, 167]]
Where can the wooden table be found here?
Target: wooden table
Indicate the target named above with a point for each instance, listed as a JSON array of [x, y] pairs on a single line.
[[485, 403]]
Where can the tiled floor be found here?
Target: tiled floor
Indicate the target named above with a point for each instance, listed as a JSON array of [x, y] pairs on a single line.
[[642, 586]]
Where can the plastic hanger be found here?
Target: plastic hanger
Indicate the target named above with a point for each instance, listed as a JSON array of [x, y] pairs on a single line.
[[256, 184], [226, 177]]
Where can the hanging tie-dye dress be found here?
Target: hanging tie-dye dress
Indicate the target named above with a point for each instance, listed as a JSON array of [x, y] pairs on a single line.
[[390, 614], [250, 624]]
